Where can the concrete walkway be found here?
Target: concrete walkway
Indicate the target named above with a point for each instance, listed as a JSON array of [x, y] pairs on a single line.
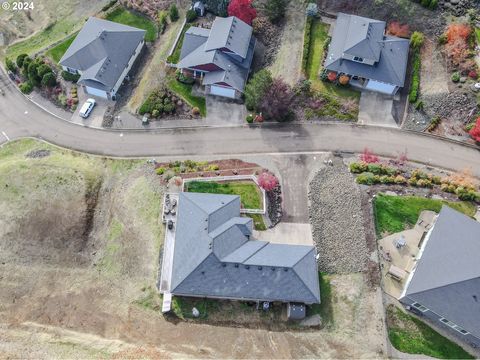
[[376, 109]]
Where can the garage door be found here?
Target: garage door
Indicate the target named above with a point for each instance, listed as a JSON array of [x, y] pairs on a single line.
[[221, 91], [380, 87], [96, 92]]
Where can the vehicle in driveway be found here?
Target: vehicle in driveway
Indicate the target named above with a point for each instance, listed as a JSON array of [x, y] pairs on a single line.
[[87, 108]]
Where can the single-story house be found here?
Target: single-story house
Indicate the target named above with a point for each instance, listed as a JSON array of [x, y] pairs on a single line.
[[103, 53], [373, 60], [444, 285], [220, 57], [216, 257]]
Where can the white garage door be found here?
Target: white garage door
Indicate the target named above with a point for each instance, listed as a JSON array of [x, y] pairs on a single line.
[[221, 91], [380, 87], [96, 92]]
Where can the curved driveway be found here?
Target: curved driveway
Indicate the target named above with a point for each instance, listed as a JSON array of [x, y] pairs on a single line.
[[20, 118]]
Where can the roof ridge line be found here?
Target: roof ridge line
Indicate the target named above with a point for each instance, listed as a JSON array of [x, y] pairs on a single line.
[[293, 267], [442, 286], [306, 286], [260, 248]]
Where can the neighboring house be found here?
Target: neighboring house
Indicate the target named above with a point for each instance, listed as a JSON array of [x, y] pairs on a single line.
[[103, 53], [216, 257], [360, 49], [221, 56], [445, 284]]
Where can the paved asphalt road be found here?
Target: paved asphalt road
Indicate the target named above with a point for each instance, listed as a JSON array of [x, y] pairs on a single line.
[[20, 118]]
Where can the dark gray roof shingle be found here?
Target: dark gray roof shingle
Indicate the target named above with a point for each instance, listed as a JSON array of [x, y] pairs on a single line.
[[101, 51], [215, 256]]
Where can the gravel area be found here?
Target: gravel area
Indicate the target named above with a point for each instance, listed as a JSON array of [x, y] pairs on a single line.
[[337, 221]]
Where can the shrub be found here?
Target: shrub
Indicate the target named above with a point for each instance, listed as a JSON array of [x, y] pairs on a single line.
[[26, 87], [169, 108], [473, 74], [276, 102], [368, 157], [155, 113], [366, 178], [332, 76], [343, 79], [419, 105], [162, 21], [455, 77], [433, 4], [416, 40], [457, 46], [396, 29], [249, 118], [276, 9], [442, 39], [267, 181], [70, 77], [434, 123], [109, 5], [399, 179], [62, 99], [256, 89], [191, 15], [20, 59], [184, 78], [196, 111], [243, 9], [10, 65], [415, 85], [173, 13], [49, 80], [358, 167], [475, 131]]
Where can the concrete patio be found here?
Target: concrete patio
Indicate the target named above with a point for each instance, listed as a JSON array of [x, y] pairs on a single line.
[[397, 262]]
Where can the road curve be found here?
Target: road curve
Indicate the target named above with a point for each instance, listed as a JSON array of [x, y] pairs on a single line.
[[21, 118]]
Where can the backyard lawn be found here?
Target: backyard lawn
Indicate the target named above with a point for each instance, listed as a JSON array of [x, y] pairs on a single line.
[[185, 92], [325, 308], [57, 52], [319, 34], [412, 336], [250, 195], [397, 213], [125, 17], [258, 222], [39, 41]]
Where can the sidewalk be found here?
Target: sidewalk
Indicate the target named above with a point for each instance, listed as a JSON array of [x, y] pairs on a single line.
[[49, 106]]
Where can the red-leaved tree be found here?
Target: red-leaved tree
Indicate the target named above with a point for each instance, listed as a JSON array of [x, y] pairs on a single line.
[[475, 132], [243, 9], [276, 102], [267, 181], [457, 46]]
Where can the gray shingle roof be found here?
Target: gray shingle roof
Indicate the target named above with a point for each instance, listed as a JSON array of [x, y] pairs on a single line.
[[363, 37], [215, 256], [231, 33], [447, 276], [101, 51], [233, 69]]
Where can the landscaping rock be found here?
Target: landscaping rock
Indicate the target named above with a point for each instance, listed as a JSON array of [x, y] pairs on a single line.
[[337, 221], [274, 205], [312, 321]]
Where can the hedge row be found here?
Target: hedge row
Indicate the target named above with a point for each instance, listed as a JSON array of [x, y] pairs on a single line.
[[415, 85], [306, 42]]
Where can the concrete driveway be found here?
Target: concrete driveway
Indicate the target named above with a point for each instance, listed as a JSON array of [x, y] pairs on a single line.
[[376, 109], [96, 116], [222, 111], [287, 233]]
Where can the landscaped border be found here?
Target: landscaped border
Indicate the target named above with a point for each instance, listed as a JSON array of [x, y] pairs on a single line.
[[233, 178]]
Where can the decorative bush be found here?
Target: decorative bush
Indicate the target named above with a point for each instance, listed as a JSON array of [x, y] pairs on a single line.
[[249, 118], [10, 65], [20, 59], [434, 123], [184, 78], [267, 181], [344, 79], [473, 74], [396, 29], [195, 111], [368, 157], [49, 80], [332, 76], [157, 100], [416, 40], [173, 12], [191, 15], [415, 85], [358, 167], [455, 77], [26, 87], [367, 179], [70, 77], [306, 43], [162, 21], [475, 131], [243, 9]]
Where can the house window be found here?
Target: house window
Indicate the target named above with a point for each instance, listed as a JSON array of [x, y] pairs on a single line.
[[419, 307], [454, 326], [358, 59]]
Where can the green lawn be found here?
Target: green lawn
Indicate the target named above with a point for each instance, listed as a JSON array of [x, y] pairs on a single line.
[[319, 34], [125, 17], [57, 52], [258, 222], [185, 92], [396, 213], [325, 308], [412, 336], [175, 57], [477, 32], [41, 40], [250, 195]]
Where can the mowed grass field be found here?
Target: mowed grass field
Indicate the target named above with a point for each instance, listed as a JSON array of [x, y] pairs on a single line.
[[57, 52], [397, 213], [126, 17], [250, 195]]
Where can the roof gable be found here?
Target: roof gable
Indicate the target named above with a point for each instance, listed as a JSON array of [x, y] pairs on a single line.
[[231, 33]]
